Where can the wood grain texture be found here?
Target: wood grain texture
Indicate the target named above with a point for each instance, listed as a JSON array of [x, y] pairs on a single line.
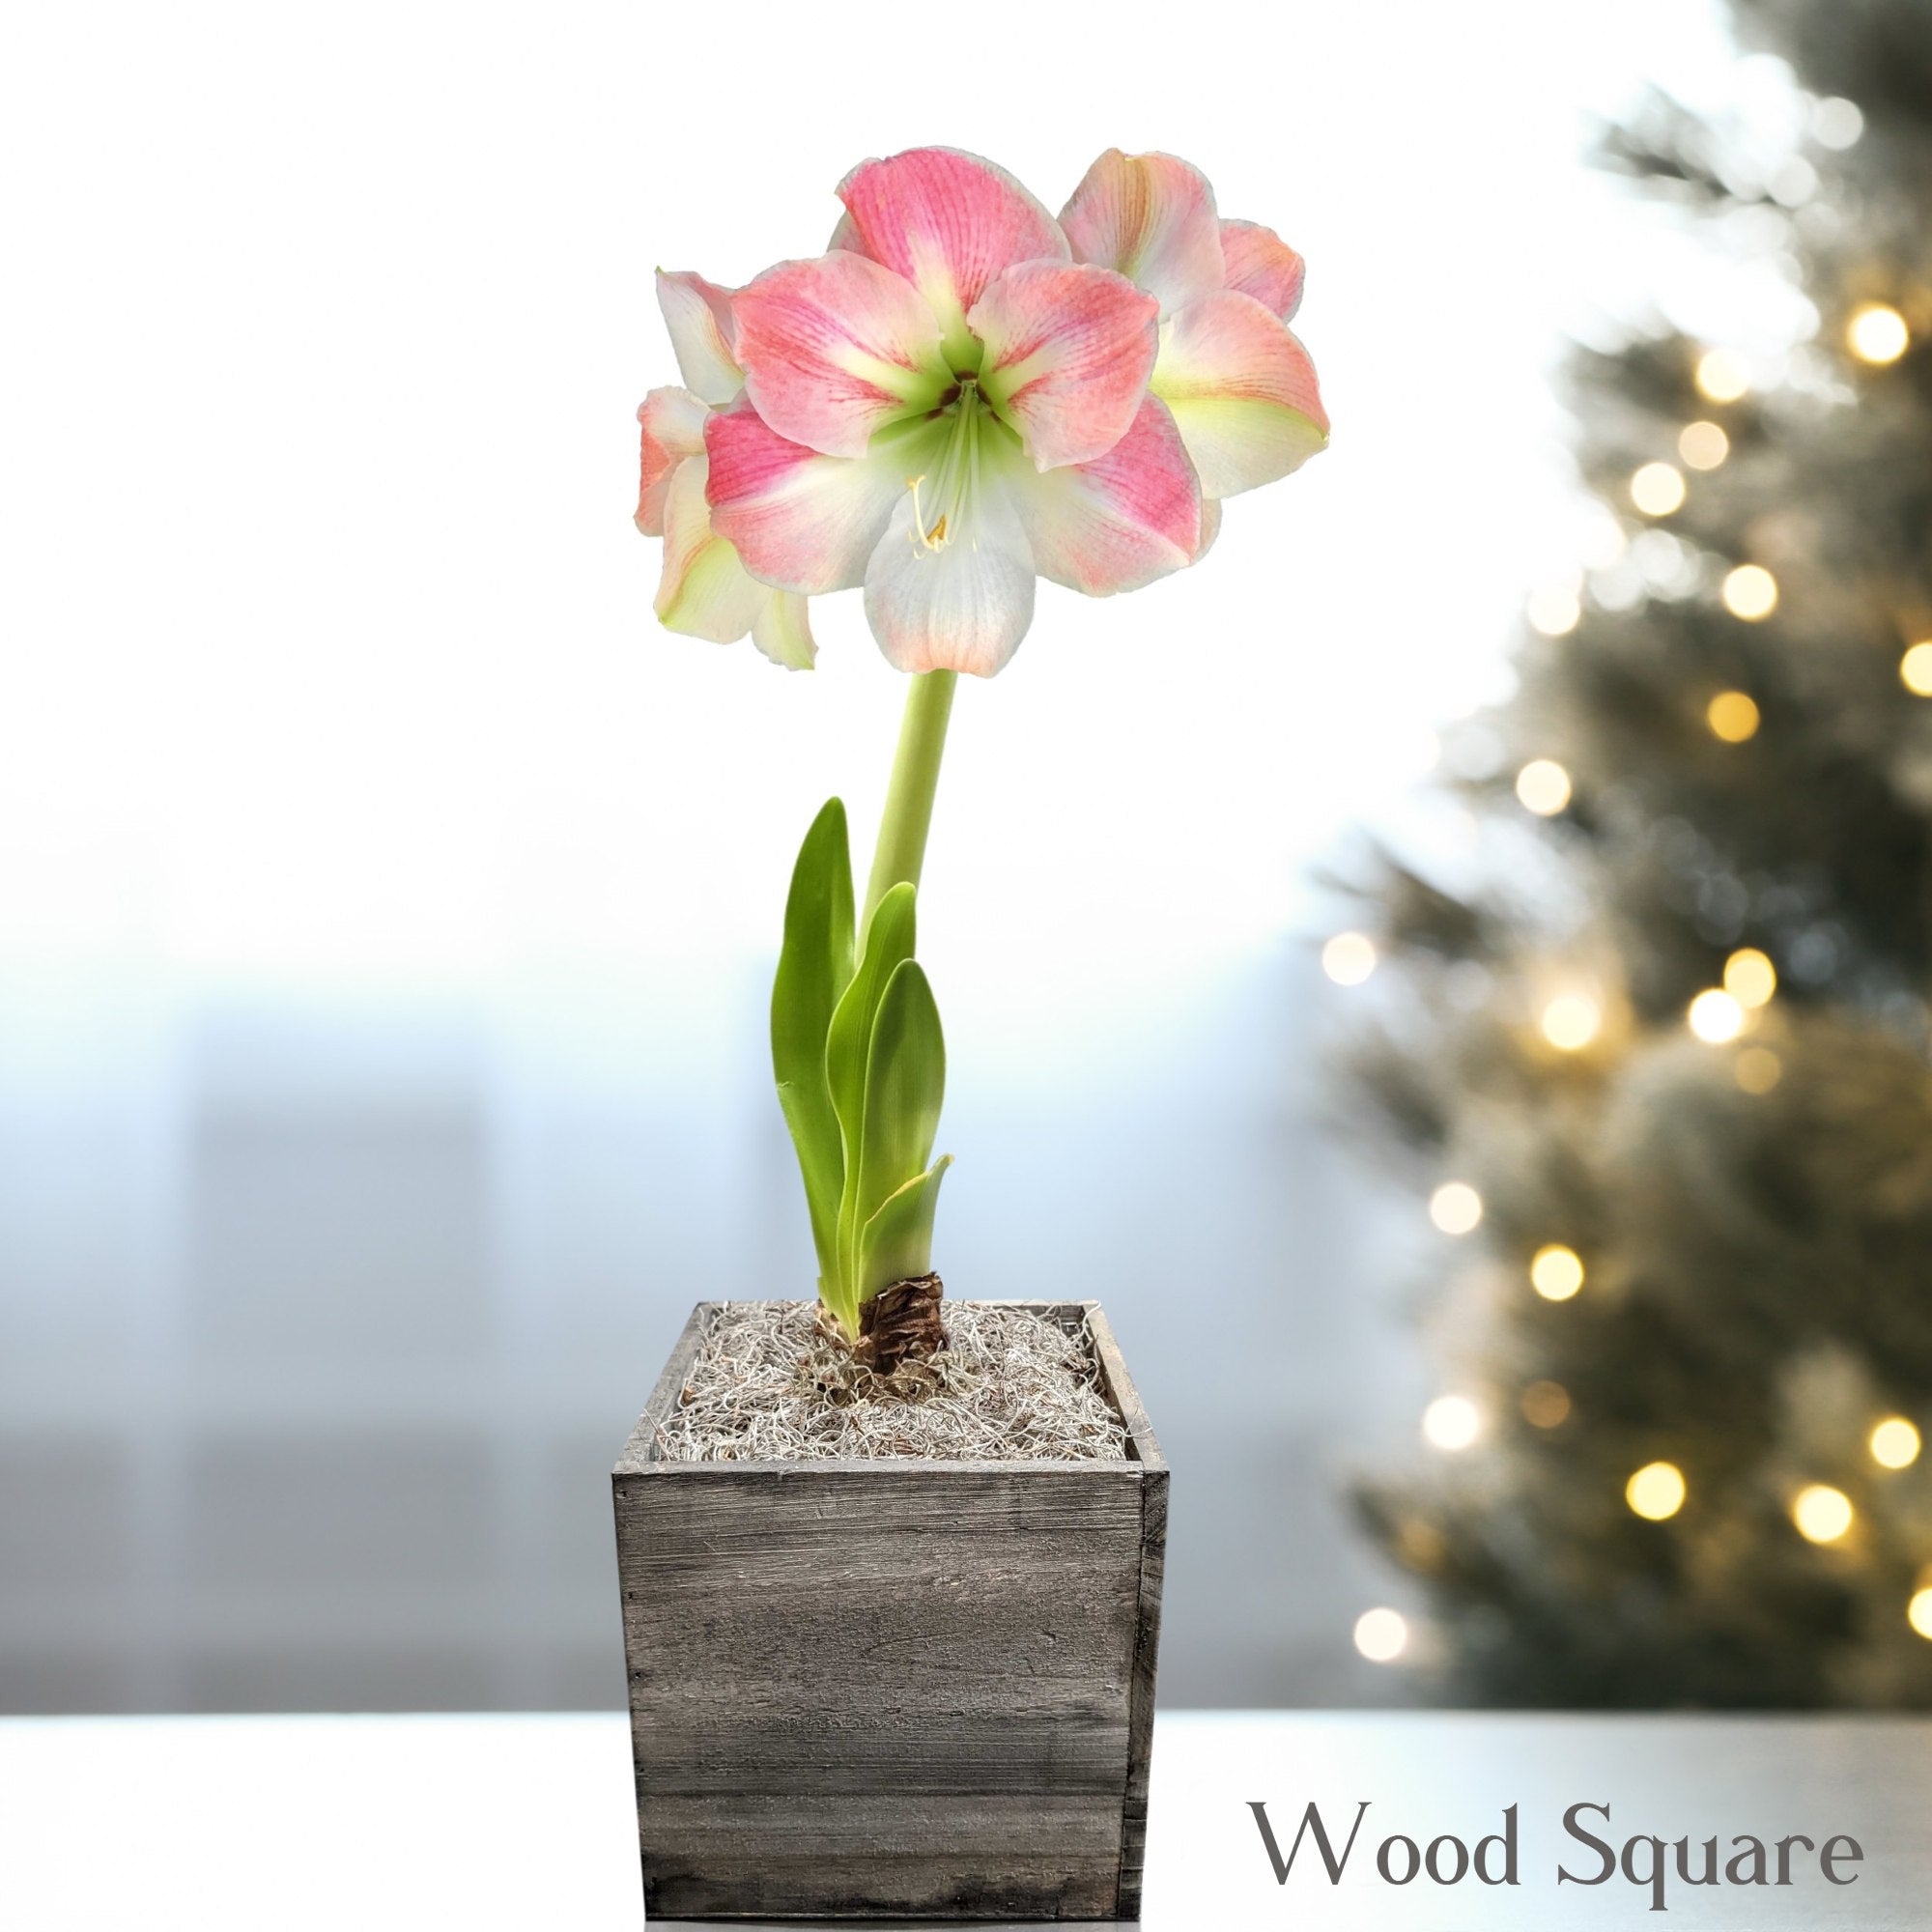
[[894, 1687]]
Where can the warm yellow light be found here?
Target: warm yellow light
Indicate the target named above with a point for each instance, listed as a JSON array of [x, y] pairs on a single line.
[[1456, 1207], [1895, 1443], [1821, 1512], [1382, 1636], [1919, 1613], [1703, 445], [1732, 716], [1571, 1022], [1544, 786], [1546, 1405], [1757, 1069], [1451, 1422], [1657, 489], [1715, 1017], [1876, 333], [1915, 669], [1555, 1272], [1655, 1492], [1749, 978], [1721, 376], [1348, 959], [1555, 609], [1751, 592]]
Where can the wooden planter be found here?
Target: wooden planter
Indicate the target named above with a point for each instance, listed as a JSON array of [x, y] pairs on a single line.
[[864, 1689]]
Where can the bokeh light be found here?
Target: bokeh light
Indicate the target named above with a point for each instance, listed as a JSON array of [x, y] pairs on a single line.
[[1751, 592], [1556, 1272], [1572, 1021], [1655, 1492], [1546, 1405], [1757, 1069], [1703, 445], [1657, 489], [1749, 976], [1456, 1207], [1895, 1443], [1721, 376], [1915, 669], [1555, 609], [1451, 1422], [1381, 1634], [1715, 1017], [1919, 1613], [1544, 786], [1733, 716], [1876, 333], [1821, 1512], [1348, 959]]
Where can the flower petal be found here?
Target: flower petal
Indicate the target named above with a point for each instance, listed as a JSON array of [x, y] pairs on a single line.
[[835, 349], [1120, 521], [1069, 350], [1210, 526], [671, 422], [783, 631], [705, 592], [1242, 392], [1261, 265], [948, 222], [797, 519], [698, 315], [964, 605], [1151, 218]]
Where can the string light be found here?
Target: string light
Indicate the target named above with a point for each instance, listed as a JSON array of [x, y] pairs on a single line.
[[1571, 1022], [1555, 609], [1733, 716], [1721, 376], [1703, 445], [1451, 1422], [1556, 1272], [1546, 1405], [1544, 787], [1657, 1491], [1382, 1636], [1751, 592], [1749, 976], [1456, 1207], [1657, 489], [1757, 1069], [1715, 1017], [1348, 959], [1876, 333], [1821, 1512], [1919, 1613], [1895, 1443], [1915, 669]]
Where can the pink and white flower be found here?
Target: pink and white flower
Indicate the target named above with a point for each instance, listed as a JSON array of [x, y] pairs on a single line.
[[964, 395], [705, 590]]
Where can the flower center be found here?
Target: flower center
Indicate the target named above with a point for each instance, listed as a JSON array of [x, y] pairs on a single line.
[[943, 496]]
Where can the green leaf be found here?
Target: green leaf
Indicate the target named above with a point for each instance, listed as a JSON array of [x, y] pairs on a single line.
[[889, 944], [814, 970], [905, 1084], [896, 1243]]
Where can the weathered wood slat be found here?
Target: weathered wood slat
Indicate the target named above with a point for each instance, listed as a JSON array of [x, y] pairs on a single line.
[[865, 1688]]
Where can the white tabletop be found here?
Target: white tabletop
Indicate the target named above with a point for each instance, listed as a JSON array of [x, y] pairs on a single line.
[[359, 1823]]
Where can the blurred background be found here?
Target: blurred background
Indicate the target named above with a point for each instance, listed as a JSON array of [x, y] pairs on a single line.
[[388, 906]]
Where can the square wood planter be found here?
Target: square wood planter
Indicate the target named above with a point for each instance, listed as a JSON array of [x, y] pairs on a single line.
[[864, 1689]]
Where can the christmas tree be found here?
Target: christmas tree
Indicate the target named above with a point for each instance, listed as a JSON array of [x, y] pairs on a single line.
[[1663, 1059]]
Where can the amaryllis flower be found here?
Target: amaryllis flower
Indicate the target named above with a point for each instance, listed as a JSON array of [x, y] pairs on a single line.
[[1238, 385], [965, 394], [705, 590], [943, 408]]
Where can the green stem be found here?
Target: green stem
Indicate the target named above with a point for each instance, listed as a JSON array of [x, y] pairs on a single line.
[[908, 815]]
